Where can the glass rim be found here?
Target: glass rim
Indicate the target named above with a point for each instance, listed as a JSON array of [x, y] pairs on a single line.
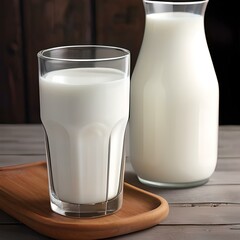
[[176, 3], [125, 53]]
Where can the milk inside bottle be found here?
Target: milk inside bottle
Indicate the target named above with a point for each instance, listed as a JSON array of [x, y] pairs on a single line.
[[174, 101]]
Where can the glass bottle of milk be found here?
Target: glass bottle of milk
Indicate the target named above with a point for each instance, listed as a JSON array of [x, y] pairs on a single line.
[[174, 98]]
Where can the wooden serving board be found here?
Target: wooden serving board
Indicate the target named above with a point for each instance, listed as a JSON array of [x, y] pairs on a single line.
[[24, 195]]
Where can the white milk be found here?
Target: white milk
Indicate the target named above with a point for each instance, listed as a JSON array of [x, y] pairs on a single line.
[[85, 112], [174, 102]]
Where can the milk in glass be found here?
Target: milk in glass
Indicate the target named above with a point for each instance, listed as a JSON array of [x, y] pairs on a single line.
[[84, 112]]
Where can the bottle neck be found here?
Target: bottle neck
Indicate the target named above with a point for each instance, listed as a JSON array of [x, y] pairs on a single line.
[[196, 7]]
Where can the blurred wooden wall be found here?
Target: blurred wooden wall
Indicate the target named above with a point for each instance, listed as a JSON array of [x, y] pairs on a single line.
[[27, 26]]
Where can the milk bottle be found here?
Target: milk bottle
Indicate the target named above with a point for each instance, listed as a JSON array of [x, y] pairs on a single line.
[[174, 98]]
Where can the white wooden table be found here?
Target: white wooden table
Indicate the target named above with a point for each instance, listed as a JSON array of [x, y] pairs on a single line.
[[207, 212]]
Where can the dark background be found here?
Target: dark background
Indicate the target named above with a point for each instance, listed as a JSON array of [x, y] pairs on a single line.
[[27, 26]]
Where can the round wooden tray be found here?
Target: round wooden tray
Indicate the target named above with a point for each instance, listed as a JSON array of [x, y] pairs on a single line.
[[24, 195]]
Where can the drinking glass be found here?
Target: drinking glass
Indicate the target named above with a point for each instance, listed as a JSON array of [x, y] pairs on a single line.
[[84, 107]]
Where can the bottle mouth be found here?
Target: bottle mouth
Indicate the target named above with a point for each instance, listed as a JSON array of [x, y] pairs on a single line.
[[182, 2], [158, 6]]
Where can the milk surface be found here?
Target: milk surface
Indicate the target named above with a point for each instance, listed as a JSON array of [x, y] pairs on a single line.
[[174, 102], [85, 112]]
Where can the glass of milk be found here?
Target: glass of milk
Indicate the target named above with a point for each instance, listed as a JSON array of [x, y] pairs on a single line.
[[84, 105]]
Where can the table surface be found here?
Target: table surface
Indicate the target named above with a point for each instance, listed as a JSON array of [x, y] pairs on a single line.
[[208, 212]]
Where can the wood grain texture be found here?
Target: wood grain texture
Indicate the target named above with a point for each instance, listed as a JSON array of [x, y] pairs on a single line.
[[204, 214], [24, 195], [207, 212], [20, 232], [27, 26], [228, 164], [157, 232], [120, 23], [21, 139], [12, 82], [187, 233], [203, 194], [229, 142]]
